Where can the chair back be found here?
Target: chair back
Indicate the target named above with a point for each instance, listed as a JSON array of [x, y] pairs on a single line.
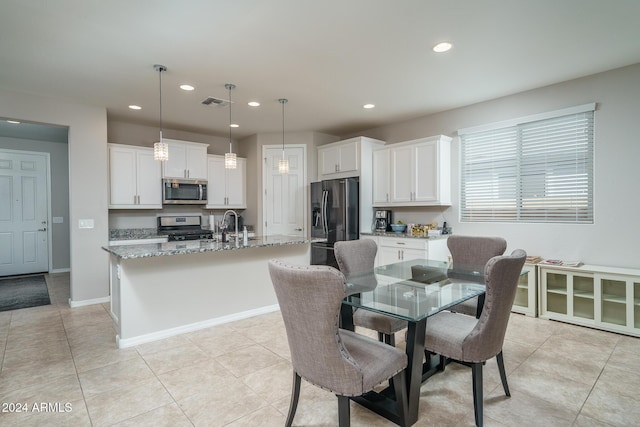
[[501, 279], [355, 256], [310, 298], [473, 252]]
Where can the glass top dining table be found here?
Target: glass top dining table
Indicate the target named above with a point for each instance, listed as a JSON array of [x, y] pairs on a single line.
[[413, 291]]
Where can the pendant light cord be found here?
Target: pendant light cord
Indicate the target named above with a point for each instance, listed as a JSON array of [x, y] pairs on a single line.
[[160, 73], [230, 87]]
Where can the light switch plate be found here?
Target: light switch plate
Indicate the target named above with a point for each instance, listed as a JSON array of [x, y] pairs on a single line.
[[85, 223]]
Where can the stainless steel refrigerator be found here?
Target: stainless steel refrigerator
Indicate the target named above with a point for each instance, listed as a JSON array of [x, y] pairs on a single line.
[[334, 216]]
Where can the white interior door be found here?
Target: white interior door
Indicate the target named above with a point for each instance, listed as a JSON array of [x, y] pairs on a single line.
[[285, 197], [23, 213]]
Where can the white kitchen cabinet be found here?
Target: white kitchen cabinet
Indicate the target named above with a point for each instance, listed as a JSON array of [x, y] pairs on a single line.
[[226, 188], [418, 171], [347, 158], [601, 297], [135, 180], [395, 249], [338, 159], [361, 166], [186, 160], [381, 177]]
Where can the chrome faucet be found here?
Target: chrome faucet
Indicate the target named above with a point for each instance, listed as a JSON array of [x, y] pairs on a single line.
[[235, 214]]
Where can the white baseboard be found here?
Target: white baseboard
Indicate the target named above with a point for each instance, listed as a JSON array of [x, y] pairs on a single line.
[[60, 270], [74, 304], [142, 339]]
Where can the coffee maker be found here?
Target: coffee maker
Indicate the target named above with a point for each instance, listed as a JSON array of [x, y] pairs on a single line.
[[382, 221]]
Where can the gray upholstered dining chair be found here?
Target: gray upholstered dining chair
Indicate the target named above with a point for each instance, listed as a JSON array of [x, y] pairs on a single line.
[[354, 256], [473, 341], [469, 252], [341, 361]]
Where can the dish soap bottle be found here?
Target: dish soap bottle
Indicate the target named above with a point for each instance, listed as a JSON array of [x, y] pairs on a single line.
[[245, 236]]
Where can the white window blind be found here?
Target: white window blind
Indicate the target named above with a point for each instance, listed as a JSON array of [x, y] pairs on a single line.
[[531, 171]]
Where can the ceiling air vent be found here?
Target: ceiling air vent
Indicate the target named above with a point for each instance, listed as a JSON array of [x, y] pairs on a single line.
[[215, 102]]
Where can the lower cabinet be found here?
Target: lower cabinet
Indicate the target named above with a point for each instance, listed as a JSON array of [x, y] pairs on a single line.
[[606, 298], [396, 249]]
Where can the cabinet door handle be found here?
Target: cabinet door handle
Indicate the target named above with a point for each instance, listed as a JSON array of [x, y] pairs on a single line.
[[387, 197]]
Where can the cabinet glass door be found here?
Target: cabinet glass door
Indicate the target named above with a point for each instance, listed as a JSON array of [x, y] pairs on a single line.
[[583, 302], [522, 293], [556, 292], [636, 304], [614, 299]]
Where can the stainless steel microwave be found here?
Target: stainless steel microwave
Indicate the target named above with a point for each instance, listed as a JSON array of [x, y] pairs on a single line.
[[184, 191]]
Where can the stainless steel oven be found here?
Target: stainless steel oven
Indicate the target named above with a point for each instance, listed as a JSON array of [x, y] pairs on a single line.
[[184, 191]]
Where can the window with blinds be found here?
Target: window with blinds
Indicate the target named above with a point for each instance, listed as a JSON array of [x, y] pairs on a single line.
[[535, 169]]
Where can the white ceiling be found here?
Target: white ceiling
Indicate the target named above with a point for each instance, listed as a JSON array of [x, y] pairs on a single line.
[[327, 57]]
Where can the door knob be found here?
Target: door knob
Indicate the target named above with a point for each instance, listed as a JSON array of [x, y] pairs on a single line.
[[42, 229], [298, 229]]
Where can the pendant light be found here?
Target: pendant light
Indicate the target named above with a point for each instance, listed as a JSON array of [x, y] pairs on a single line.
[[283, 164], [160, 149], [230, 157]]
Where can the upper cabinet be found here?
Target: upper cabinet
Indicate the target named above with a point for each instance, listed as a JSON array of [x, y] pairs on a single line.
[[413, 173], [227, 188], [346, 158], [186, 160], [134, 178]]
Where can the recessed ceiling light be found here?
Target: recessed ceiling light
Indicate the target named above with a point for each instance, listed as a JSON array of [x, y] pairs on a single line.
[[187, 87], [15, 122], [368, 106], [254, 104], [135, 107], [442, 47], [234, 125]]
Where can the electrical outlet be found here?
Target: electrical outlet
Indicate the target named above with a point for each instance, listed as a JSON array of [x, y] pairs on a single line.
[[85, 223]]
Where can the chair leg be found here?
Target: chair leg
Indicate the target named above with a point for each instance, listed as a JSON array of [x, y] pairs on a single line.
[[295, 395], [344, 414], [390, 339], [503, 374], [476, 374], [400, 383]]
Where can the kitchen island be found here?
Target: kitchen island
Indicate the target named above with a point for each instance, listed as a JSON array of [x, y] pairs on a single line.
[[164, 289]]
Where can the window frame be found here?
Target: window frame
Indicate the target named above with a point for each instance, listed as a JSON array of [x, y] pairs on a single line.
[[566, 207]]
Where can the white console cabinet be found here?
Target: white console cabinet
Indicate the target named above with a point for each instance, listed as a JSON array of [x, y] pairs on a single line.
[[606, 298], [526, 300]]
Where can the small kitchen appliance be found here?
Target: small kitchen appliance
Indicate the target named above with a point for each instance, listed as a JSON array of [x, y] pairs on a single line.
[[382, 221], [184, 191], [178, 228]]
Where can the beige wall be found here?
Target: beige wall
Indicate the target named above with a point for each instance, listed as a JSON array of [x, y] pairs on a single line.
[[612, 239], [87, 184], [251, 148], [145, 136]]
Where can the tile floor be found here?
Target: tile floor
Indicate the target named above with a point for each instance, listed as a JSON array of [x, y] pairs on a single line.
[[239, 374]]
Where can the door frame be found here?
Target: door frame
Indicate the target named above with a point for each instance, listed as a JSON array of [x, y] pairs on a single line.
[[47, 157], [305, 182]]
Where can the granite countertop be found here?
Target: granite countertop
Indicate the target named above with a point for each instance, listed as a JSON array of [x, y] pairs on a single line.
[[143, 250], [403, 235]]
